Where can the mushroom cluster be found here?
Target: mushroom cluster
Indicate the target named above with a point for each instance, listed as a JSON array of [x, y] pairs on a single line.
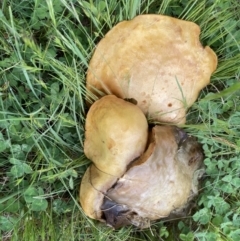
[[141, 173]]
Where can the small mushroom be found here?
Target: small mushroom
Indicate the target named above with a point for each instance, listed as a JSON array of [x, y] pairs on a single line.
[[116, 134], [138, 175], [158, 61]]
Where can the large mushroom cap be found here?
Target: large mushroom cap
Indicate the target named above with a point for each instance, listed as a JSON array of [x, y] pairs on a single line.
[[116, 134], [156, 60]]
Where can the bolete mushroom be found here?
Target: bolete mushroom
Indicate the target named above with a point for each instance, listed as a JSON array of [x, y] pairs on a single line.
[[138, 175], [156, 60], [116, 134]]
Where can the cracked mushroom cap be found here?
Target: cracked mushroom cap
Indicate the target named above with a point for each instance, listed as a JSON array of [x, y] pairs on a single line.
[[116, 133], [156, 60]]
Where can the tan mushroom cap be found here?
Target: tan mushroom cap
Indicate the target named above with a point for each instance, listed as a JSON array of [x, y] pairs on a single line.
[[156, 60], [116, 133]]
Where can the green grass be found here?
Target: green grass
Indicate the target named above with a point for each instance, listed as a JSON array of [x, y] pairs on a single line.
[[45, 47]]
